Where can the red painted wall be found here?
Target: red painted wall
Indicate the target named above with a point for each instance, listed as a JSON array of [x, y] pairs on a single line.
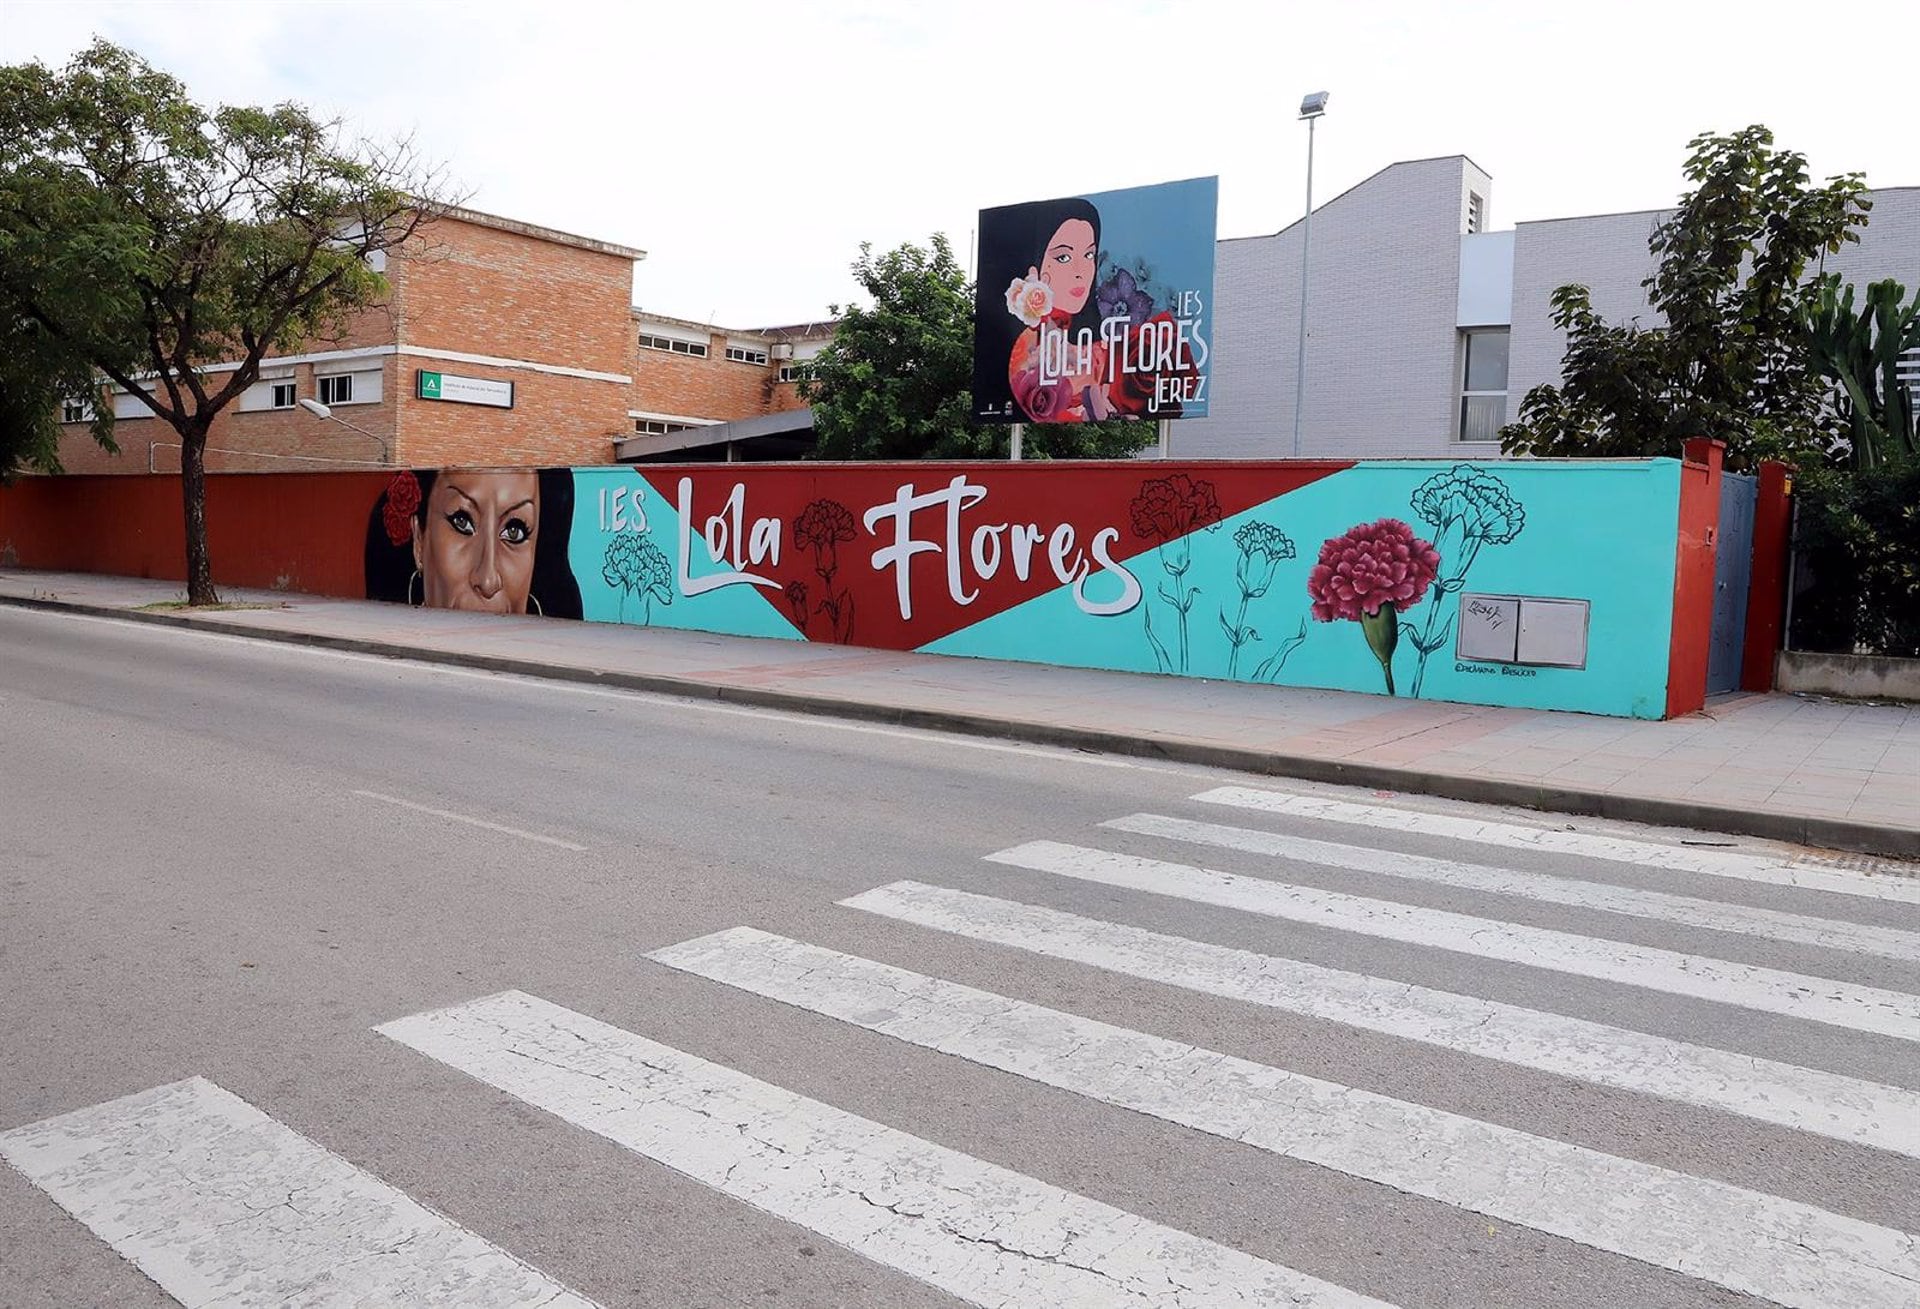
[[1767, 586], [1693, 577], [286, 531]]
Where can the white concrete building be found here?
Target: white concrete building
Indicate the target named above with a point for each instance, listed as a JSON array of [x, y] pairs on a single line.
[[1425, 329]]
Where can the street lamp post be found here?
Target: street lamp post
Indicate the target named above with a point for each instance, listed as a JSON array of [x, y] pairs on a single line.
[[326, 414], [1310, 109]]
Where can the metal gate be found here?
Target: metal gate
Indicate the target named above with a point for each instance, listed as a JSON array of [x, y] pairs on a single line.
[[1732, 565]]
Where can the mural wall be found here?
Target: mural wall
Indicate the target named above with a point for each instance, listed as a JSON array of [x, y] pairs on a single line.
[[1547, 585]]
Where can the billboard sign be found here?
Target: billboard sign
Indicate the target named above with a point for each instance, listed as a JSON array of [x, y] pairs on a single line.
[[1096, 307]]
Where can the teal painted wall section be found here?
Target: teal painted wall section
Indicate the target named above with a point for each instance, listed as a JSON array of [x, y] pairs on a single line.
[[625, 550], [1233, 600], [1601, 532]]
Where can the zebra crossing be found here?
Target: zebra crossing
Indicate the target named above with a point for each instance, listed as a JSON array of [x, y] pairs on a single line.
[[219, 1203]]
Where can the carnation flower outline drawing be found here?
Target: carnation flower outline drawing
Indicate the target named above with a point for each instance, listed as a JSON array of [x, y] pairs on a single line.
[[1468, 508], [1168, 511], [1370, 574], [1262, 548], [634, 566], [821, 527]]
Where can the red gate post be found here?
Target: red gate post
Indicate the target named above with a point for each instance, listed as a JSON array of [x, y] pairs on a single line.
[[1767, 584]]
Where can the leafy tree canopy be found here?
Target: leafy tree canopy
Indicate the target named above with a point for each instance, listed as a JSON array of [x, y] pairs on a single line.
[[896, 383], [146, 237], [1729, 357]]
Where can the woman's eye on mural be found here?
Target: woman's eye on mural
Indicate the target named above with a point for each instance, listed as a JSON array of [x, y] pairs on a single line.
[[516, 532], [461, 522]]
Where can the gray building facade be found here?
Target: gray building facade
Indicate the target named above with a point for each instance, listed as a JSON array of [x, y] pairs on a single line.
[[1424, 329]]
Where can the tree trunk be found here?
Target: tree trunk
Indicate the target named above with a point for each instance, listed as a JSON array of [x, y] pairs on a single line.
[[193, 495]]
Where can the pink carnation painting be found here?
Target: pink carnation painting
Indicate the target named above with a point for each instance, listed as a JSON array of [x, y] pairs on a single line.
[[1369, 574]]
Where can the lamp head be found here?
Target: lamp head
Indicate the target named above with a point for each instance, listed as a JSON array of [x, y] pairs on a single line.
[[1314, 105], [315, 408]]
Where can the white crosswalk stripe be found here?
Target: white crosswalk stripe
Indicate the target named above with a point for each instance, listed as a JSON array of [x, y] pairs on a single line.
[[1804, 929], [222, 1205], [227, 1208], [1803, 1099], [1690, 859], [986, 1234], [1795, 995], [1794, 1254]]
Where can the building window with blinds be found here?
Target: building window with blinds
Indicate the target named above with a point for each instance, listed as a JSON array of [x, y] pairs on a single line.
[[1483, 391]]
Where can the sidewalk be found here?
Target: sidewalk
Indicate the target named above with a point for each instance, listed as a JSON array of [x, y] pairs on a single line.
[[1821, 773]]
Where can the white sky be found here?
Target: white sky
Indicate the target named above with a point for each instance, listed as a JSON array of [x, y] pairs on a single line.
[[750, 147]]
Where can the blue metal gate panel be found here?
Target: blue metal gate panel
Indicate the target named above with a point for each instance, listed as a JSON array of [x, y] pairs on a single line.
[[1732, 566]]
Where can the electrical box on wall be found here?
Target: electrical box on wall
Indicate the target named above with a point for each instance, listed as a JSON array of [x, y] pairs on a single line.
[[1521, 629]]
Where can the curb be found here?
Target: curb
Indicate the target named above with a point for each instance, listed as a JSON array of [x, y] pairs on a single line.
[[1795, 829]]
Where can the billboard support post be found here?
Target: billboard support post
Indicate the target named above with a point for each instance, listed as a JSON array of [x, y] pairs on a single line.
[[1166, 438], [1017, 431]]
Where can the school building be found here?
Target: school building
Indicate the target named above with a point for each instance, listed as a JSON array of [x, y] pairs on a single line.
[[500, 342]]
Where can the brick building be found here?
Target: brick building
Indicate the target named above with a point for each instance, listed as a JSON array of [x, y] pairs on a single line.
[[689, 375], [499, 343]]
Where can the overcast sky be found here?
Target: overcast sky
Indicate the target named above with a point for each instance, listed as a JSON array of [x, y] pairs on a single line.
[[750, 147]]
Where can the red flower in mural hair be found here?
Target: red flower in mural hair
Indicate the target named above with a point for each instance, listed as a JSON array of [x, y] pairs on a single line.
[[403, 501], [1371, 565]]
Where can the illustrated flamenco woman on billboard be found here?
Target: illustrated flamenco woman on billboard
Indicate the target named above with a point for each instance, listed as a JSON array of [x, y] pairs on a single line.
[[1069, 332]]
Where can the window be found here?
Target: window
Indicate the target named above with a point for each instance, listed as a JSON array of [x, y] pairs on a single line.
[[335, 390], [282, 397], [795, 372], [648, 341], [659, 427], [76, 411], [1476, 212], [741, 355], [1483, 392]]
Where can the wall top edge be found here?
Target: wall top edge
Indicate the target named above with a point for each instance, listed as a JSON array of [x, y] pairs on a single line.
[[1030, 467]]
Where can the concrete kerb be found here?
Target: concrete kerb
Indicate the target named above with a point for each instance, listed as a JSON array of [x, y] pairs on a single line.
[[1796, 829]]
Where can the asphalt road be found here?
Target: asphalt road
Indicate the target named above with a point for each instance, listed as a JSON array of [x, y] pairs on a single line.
[[235, 861]]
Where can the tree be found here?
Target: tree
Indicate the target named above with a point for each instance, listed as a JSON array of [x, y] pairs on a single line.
[[148, 238], [38, 377], [1729, 357], [897, 380]]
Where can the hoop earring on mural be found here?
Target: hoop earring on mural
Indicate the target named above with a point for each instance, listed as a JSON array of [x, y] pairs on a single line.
[[423, 590], [534, 600]]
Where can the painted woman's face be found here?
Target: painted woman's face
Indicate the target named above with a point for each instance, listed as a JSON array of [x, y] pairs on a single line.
[[475, 550], [1068, 264]]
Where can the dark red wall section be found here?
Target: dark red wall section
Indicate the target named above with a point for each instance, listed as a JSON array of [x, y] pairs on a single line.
[[285, 531], [1143, 501], [1767, 586], [1693, 577]]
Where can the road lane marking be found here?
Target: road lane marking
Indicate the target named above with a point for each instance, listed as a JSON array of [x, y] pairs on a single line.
[[1690, 859], [1791, 1253], [470, 821], [1606, 897], [219, 1203], [1746, 986], [983, 1233], [1803, 1099]]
